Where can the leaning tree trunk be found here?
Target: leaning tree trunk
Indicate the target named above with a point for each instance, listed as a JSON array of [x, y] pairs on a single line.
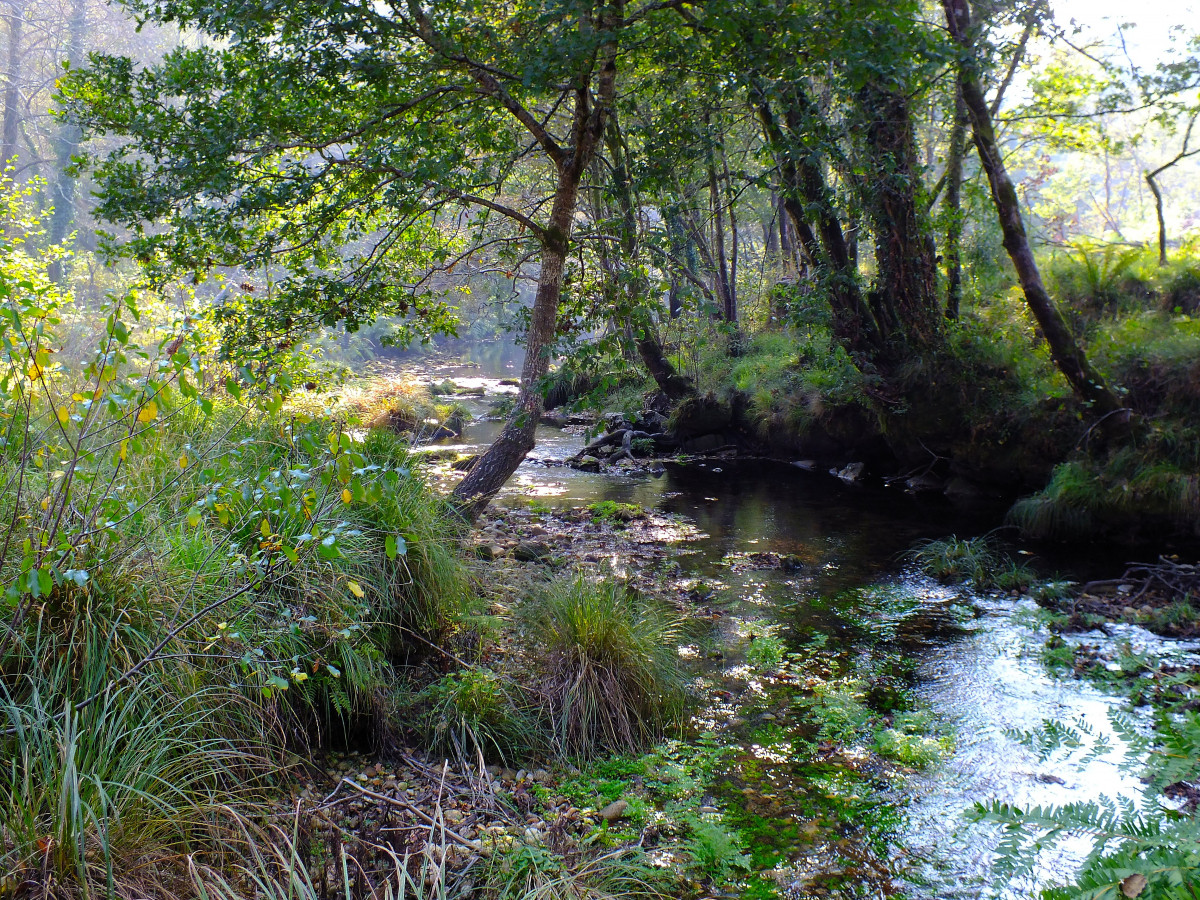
[[1162, 222], [1087, 383], [496, 465]]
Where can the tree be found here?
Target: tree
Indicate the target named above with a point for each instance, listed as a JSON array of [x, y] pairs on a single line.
[[328, 146], [1087, 383]]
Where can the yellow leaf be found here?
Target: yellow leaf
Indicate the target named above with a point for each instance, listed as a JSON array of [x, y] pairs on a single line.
[[78, 397], [46, 503], [124, 450], [183, 461], [346, 495], [265, 528], [149, 412], [355, 589], [63, 415], [34, 372]]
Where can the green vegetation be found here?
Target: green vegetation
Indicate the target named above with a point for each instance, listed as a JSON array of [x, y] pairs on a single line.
[[977, 561], [610, 675]]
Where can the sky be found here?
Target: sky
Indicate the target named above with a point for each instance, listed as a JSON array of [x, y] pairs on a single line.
[[1151, 21]]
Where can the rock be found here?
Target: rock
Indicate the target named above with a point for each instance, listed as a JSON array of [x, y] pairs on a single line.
[[808, 465], [585, 464], [920, 484], [508, 775], [614, 811], [531, 551], [522, 776], [510, 382], [453, 816], [852, 473], [541, 776], [465, 463], [698, 416], [555, 419], [657, 471], [790, 562]]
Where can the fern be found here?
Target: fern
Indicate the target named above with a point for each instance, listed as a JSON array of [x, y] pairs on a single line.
[[1146, 849]]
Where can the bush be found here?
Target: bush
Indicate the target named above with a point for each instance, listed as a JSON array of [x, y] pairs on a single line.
[[610, 676], [196, 576]]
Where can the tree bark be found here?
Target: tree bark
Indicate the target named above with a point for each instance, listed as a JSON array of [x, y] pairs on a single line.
[[907, 305], [953, 207], [501, 459], [1087, 383], [588, 122]]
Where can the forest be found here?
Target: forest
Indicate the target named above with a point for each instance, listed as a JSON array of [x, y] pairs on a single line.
[[599, 450]]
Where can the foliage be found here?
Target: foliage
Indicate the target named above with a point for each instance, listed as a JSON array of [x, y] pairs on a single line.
[[196, 575], [610, 676], [1139, 849], [715, 850], [528, 871], [473, 715]]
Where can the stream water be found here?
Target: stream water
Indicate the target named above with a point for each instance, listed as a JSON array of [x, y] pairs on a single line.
[[974, 663]]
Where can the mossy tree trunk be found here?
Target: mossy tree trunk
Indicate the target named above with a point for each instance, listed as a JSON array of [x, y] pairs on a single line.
[[905, 301]]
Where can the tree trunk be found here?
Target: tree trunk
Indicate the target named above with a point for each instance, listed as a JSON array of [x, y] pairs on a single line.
[[496, 465], [908, 308], [953, 207], [1087, 383], [1162, 222], [804, 190], [12, 84]]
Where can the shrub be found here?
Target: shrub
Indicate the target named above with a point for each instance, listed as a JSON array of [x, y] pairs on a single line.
[[610, 676]]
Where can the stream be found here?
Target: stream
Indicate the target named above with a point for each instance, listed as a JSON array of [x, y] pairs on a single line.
[[973, 664]]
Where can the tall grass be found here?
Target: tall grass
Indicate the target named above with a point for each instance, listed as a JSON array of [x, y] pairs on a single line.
[[609, 671]]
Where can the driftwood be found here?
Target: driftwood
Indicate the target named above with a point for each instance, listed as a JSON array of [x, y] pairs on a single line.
[[1166, 575]]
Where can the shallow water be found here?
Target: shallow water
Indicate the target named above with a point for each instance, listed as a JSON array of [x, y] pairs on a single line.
[[978, 673]]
